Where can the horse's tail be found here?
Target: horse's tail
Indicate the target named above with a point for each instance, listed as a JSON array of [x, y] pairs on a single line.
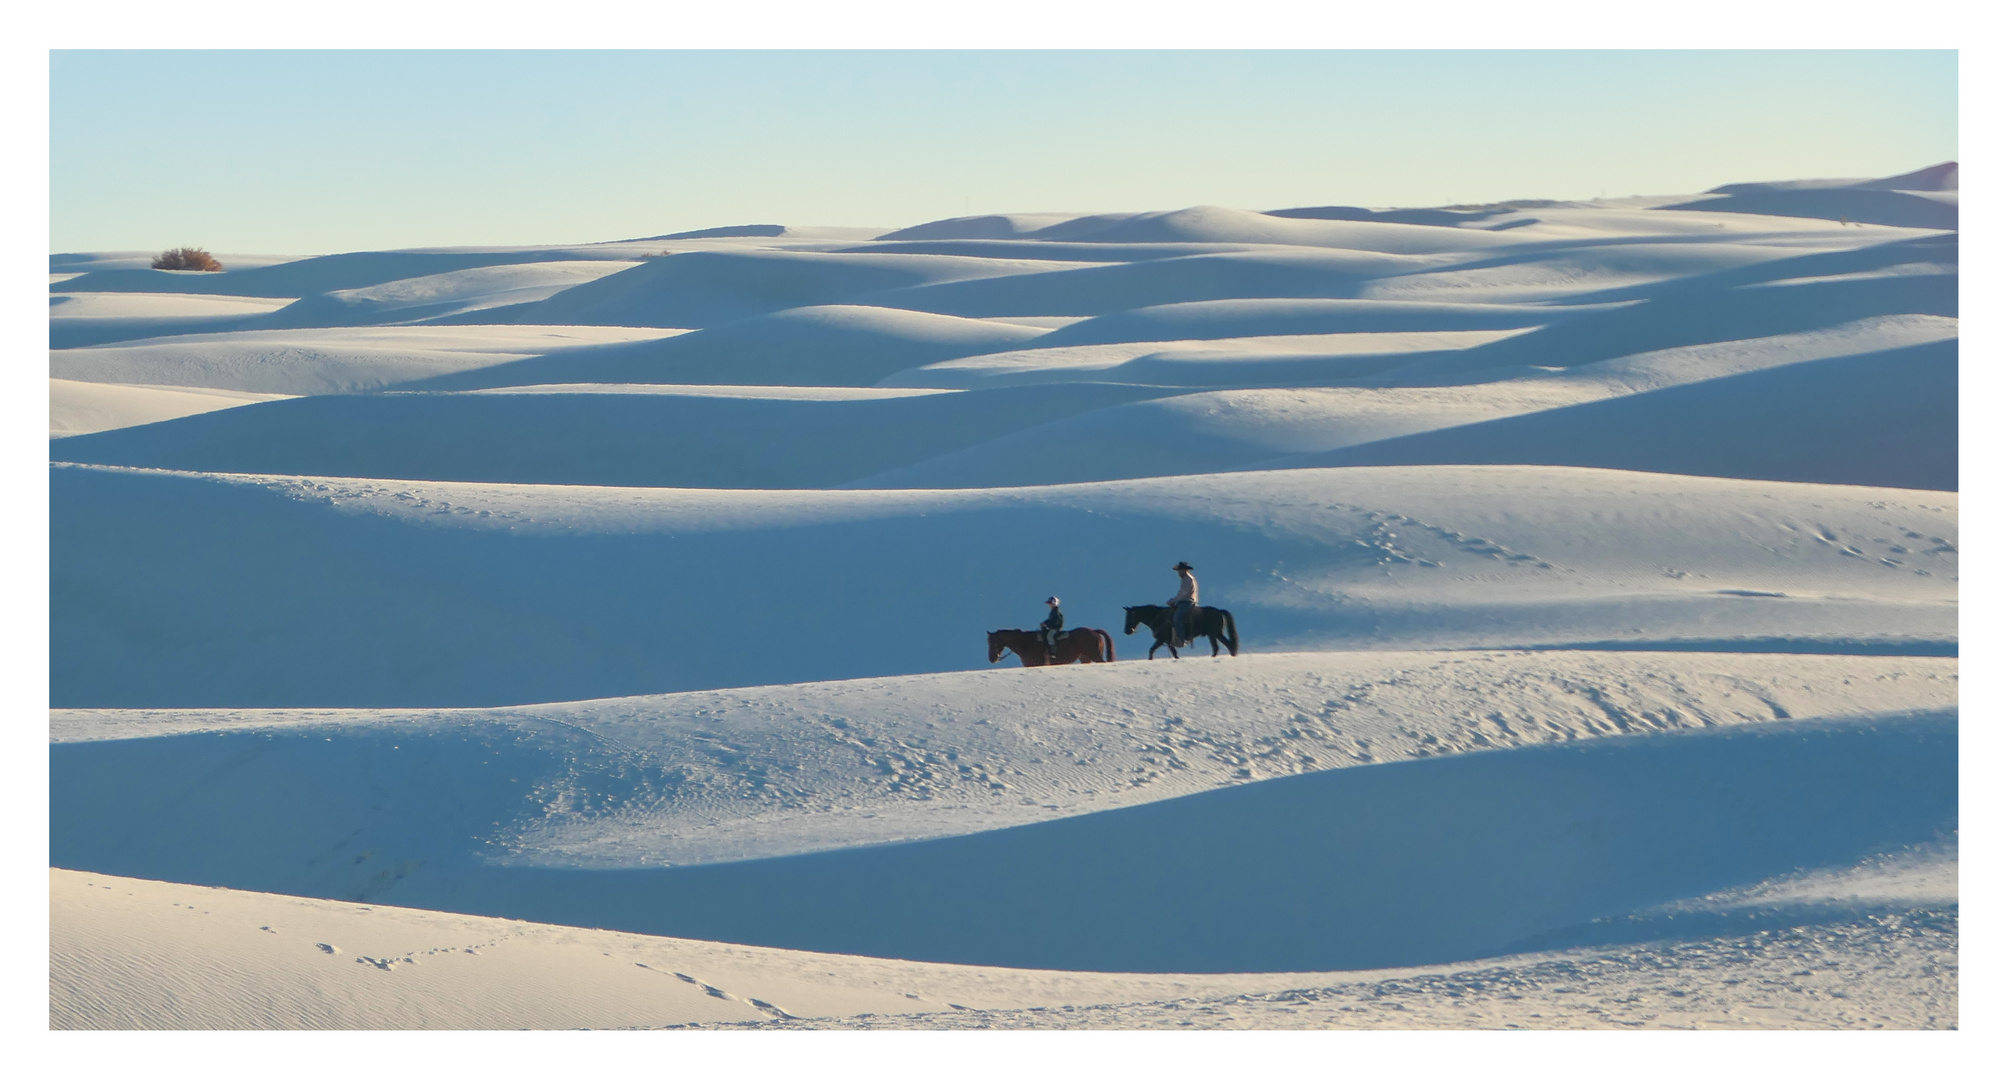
[[1233, 635], [1108, 646]]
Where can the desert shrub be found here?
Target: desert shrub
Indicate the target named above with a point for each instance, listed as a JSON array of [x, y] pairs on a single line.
[[186, 259]]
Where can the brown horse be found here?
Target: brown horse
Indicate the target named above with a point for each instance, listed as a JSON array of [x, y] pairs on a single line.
[[1082, 643]]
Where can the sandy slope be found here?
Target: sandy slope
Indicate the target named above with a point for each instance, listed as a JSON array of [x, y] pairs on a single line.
[[1927, 198], [1288, 359], [701, 777], [705, 288], [1453, 848], [1718, 309], [80, 408], [86, 318], [1876, 410], [1103, 289], [1218, 430], [792, 436], [1206, 432], [456, 296], [324, 360], [1896, 971], [1208, 319], [127, 953], [1889, 417], [1210, 431], [306, 591], [817, 345]]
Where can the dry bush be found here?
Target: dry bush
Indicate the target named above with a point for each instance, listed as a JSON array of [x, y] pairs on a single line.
[[186, 259]]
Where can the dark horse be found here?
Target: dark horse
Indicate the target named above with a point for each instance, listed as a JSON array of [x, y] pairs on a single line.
[[1087, 645], [1214, 624]]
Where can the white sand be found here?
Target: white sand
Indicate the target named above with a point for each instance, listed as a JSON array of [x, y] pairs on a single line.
[[79, 408], [1593, 568]]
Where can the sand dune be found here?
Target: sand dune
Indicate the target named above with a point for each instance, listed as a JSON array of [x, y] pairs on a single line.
[[660, 436], [694, 778], [818, 345], [335, 360], [1925, 199], [511, 813], [1883, 418], [1061, 251], [140, 954], [1593, 567], [1228, 429], [1905, 209], [1448, 859], [1262, 317], [704, 288], [302, 591], [1564, 273], [295, 278], [981, 227], [1943, 176], [80, 408], [1219, 224], [85, 318], [1696, 317], [1225, 429], [1261, 360], [456, 294], [1934, 253], [1101, 289], [1684, 364]]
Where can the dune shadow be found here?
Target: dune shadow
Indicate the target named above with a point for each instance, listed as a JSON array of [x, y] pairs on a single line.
[[1888, 418], [1418, 862]]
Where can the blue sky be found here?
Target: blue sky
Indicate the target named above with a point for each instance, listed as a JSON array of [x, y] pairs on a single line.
[[311, 152]]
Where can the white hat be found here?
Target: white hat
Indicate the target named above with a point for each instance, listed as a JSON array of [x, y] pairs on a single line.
[[1054, 600]]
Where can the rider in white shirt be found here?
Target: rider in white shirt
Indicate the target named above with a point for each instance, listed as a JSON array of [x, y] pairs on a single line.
[[1183, 603]]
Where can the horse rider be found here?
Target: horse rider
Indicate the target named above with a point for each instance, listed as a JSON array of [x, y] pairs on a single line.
[[1183, 603], [1050, 629]]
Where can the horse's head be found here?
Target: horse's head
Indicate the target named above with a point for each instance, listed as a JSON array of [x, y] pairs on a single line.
[[996, 645], [1130, 619]]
